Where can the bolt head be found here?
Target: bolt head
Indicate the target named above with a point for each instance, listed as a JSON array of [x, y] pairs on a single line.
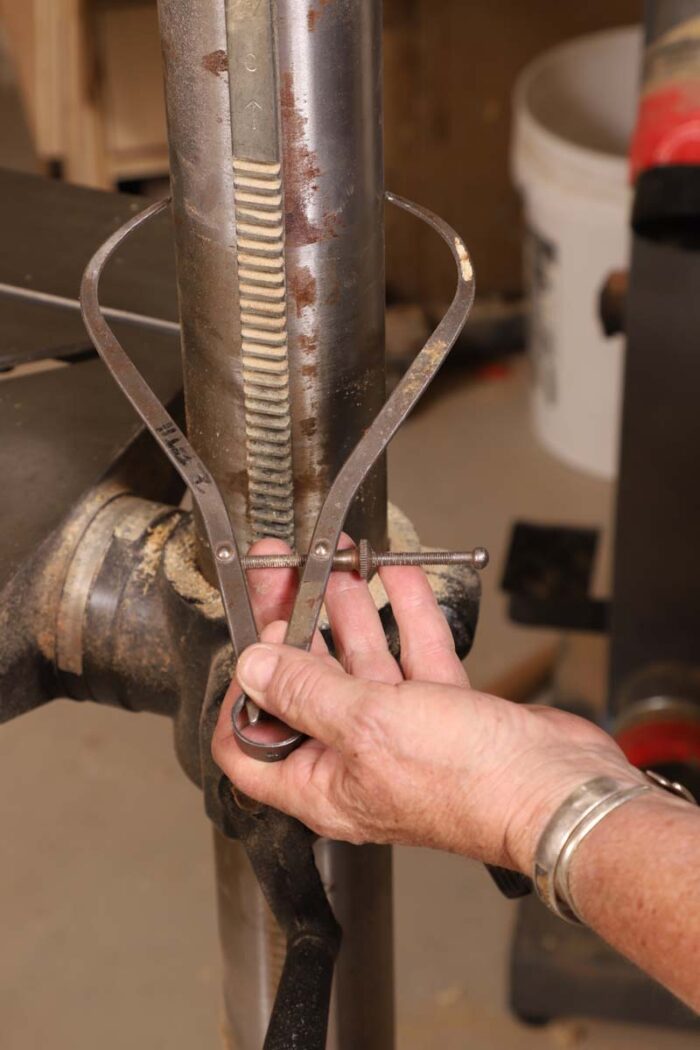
[[481, 557]]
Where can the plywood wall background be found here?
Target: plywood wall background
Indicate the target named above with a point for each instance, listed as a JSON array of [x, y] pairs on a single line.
[[91, 79], [450, 66]]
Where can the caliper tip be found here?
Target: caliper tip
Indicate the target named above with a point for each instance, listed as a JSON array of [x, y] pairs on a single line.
[[252, 711]]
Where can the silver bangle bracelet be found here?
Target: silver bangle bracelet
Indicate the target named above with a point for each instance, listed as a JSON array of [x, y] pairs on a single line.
[[584, 808], [560, 875], [582, 811]]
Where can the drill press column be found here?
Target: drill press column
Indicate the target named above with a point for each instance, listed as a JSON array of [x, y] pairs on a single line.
[[326, 64], [328, 93]]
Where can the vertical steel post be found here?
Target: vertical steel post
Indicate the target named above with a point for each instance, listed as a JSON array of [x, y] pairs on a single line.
[[330, 82], [193, 37], [329, 87], [326, 71]]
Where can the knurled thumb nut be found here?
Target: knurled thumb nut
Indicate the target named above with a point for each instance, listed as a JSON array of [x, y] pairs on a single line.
[[366, 560]]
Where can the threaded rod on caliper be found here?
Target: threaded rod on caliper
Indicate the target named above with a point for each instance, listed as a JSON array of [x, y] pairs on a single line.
[[365, 561]]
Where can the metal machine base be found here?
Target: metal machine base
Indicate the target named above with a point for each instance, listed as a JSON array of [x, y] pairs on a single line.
[[558, 970]]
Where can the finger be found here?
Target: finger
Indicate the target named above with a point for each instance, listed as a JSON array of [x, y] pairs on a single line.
[[306, 692], [275, 633], [427, 647], [272, 591], [300, 786], [358, 633]]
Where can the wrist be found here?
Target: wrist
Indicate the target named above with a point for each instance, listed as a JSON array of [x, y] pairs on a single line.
[[554, 782]]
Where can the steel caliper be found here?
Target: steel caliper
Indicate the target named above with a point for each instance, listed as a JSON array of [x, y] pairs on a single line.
[[258, 200]]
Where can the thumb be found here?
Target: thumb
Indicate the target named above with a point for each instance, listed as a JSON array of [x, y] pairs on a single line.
[[305, 691]]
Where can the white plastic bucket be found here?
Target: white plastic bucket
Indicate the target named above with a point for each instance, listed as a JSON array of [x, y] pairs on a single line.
[[574, 113]]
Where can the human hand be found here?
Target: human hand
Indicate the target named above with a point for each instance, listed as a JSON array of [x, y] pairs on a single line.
[[402, 753]]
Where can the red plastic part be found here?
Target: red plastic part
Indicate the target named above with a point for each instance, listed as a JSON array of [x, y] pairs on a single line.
[[668, 128], [657, 743]]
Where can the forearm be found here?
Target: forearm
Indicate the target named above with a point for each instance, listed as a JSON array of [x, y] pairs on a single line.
[[635, 879]]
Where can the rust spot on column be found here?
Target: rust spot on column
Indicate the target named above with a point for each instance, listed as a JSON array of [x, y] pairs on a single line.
[[301, 172], [308, 344], [302, 288], [216, 62], [308, 426], [315, 13]]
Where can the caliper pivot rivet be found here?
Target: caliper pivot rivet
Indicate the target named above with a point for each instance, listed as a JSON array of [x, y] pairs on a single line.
[[224, 552]]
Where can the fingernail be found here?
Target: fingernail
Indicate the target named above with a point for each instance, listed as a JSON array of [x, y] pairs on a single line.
[[256, 668]]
